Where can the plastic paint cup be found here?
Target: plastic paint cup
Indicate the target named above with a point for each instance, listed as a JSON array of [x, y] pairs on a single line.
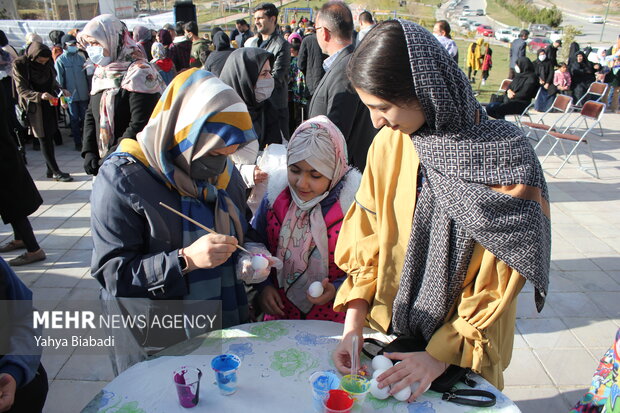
[[54, 102], [338, 401], [187, 381], [357, 386], [321, 383], [225, 367]]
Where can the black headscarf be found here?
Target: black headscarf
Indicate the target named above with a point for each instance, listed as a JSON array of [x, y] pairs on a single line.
[[216, 60], [241, 73], [572, 52], [463, 156], [41, 75], [525, 80]]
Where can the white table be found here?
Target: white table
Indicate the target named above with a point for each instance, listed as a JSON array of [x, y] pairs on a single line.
[[278, 357]]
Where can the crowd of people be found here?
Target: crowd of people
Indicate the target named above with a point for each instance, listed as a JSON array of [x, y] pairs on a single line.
[[384, 196], [547, 77]]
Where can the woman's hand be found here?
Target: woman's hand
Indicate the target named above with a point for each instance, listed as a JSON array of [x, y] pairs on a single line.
[[46, 96], [209, 251], [342, 355], [66, 93], [259, 176], [353, 325], [329, 292], [270, 301], [413, 367], [510, 93]]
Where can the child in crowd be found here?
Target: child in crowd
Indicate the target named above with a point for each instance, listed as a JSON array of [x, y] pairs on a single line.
[[487, 64], [163, 64], [561, 79], [301, 217]]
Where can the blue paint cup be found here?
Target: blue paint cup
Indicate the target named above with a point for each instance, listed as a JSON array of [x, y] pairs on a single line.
[[321, 383], [225, 367]]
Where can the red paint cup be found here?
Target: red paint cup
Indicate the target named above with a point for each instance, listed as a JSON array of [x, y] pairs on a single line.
[[338, 401], [54, 102]]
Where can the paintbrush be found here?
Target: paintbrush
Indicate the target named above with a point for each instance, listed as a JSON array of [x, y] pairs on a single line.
[[199, 224]]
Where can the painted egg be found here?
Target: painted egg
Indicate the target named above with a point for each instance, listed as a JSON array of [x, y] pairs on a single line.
[[403, 395], [378, 393], [315, 289], [381, 363], [414, 386], [259, 262], [377, 373]]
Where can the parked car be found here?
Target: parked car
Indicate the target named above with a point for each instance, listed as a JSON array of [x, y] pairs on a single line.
[[479, 12], [464, 22], [473, 26], [485, 30], [539, 30], [538, 43], [596, 19], [504, 35], [469, 13]]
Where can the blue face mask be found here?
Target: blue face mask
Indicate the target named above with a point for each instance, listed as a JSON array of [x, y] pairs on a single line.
[[72, 49], [95, 53]]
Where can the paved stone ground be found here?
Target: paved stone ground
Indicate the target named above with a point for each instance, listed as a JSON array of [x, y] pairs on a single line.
[[555, 352]]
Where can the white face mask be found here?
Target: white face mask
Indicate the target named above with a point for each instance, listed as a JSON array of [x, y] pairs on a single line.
[[263, 89], [95, 53], [517, 69], [542, 57]]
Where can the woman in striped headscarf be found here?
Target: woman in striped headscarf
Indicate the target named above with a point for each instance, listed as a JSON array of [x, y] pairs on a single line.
[[180, 159]]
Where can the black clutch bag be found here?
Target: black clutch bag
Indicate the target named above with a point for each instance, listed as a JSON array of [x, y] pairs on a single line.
[[443, 384]]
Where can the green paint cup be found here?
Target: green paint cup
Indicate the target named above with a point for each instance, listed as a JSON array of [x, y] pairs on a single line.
[[357, 386]]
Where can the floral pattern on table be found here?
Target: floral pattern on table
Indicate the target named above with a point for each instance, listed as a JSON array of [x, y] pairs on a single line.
[[292, 361], [278, 359]]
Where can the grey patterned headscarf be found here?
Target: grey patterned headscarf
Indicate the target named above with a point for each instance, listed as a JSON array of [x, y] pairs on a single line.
[[482, 184]]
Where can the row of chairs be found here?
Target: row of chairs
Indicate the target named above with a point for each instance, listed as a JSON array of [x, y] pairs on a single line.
[[560, 132]]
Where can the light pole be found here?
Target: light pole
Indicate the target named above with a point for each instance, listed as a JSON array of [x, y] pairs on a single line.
[[604, 20]]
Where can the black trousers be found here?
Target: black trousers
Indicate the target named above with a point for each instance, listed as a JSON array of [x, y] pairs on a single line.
[[31, 397], [47, 149], [23, 232]]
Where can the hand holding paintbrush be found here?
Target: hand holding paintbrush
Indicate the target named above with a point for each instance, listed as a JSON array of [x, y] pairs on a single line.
[[208, 251]]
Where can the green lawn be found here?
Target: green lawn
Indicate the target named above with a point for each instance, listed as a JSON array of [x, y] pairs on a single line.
[[498, 72]]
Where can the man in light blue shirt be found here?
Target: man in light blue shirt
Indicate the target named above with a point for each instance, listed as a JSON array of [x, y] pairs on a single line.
[[71, 76]]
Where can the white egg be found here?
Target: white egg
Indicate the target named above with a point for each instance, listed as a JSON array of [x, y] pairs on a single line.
[[315, 289], [378, 393], [377, 373], [403, 395], [381, 363], [259, 262], [414, 386]]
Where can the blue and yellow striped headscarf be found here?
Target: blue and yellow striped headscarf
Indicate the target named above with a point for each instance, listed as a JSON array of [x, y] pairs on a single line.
[[196, 114]]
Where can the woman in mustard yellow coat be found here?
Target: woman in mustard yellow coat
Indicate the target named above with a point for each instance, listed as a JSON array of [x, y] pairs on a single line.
[[451, 218]]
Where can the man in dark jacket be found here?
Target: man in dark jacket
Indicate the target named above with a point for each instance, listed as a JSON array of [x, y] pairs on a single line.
[[270, 39], [244, 32], [334, 97], [181, 48], [310, 62], [517, 50]]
